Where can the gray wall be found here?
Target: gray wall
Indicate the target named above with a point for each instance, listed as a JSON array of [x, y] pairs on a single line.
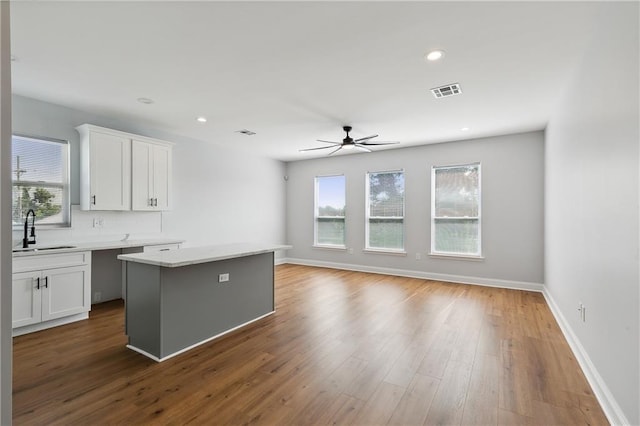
[[221, 195], [512, 207], [591, 190]]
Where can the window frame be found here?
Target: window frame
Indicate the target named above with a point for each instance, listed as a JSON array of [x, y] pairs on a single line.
[[65, 186], [317, 216], [433, 252], [368, 216]]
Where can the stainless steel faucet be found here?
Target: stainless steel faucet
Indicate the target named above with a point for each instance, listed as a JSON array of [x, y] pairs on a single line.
[[31, 239]]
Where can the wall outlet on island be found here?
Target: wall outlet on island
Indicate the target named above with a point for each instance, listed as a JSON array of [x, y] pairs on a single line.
[[98, 222], [223, 278]]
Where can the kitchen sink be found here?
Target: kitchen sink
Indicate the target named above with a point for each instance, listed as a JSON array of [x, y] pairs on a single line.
[[20, 250]]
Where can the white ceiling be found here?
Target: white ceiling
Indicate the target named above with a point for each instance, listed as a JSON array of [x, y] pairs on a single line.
[[294, 72]]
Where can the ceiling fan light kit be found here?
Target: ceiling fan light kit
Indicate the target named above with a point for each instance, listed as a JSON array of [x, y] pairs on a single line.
[[349, 143]]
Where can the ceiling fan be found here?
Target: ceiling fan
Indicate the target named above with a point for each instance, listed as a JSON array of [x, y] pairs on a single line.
[[350, 143]]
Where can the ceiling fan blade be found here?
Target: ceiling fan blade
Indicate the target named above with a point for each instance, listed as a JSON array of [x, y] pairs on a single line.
[[378, 143], [313, 149], [336, 150], [335, 143], [367, 138], [362, 148]]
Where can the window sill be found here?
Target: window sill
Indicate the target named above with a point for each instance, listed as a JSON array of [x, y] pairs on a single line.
[[328, 247], [457, 257], [385, 251]]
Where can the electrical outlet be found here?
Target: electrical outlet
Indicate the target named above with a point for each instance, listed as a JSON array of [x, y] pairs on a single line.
[[582, 311], [98, 222], [418, 256], [97, 296], [223, 278], [350, 250]]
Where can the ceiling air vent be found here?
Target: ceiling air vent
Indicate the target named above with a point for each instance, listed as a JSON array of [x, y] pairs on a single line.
[[445, 91], [246, 132]]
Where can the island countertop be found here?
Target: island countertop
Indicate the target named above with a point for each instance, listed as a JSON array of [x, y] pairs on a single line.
[[201, 254]]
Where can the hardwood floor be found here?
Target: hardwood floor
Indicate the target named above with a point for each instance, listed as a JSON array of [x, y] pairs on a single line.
[[343, 348]]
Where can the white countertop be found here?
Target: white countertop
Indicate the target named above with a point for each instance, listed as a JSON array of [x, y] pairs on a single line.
[[203, 254], [93, 245]]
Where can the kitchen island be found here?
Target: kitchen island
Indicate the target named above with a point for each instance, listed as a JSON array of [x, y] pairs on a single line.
[[177, 300]]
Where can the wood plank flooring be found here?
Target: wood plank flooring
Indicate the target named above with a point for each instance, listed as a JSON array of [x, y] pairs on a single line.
[[343, 348]]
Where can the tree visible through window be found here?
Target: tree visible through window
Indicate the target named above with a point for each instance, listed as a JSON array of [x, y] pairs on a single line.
[[455, 210], [40, 180], [330, 211], [385, 210]]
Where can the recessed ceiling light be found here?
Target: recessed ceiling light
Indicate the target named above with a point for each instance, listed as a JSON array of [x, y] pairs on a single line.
[[434, 55], [146, 101], [201, 119], [464, 129]]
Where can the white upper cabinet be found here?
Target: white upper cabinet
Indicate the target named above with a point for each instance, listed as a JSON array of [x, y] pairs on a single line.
[[151, 175], [123, 171], [105, 169]]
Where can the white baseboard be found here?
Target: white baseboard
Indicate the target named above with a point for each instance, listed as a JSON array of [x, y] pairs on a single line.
[[611, 409], [487, 282]]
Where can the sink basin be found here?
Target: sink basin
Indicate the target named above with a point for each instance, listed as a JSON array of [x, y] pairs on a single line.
[[19, 250]]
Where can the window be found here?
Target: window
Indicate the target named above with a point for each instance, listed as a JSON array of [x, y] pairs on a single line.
[[385, 211], [455, 210], [329, 211], [40, 180]]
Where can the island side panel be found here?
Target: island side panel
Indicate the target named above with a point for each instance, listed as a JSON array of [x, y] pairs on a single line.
[[196, 307], [143, 326]]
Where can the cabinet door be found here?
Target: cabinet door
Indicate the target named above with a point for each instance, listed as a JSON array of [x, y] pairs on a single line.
[[26, 299], [151, 176], [110, 172], [161, 177], [66, 292], [141, 176]]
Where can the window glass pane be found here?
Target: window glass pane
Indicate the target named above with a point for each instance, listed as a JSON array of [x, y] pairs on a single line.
[[37, 160], [46, 203], [386, 194], [457, 236], [39, 172], [330, 206], [385, 210], [457, 191], [331, 195], [330, 231], [386, 233]]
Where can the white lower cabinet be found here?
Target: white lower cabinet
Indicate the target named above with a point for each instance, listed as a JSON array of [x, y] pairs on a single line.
[[57, 295]]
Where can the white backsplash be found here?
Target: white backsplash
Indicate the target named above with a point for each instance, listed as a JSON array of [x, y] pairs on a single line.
[[115, 226]]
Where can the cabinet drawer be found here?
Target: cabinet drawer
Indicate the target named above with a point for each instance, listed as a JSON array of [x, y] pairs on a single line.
[[49, 261], [161, 247]]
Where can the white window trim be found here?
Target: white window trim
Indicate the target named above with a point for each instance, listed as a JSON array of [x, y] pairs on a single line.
[[367, 247], [316, 216], [462, 256], [65, 186]]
